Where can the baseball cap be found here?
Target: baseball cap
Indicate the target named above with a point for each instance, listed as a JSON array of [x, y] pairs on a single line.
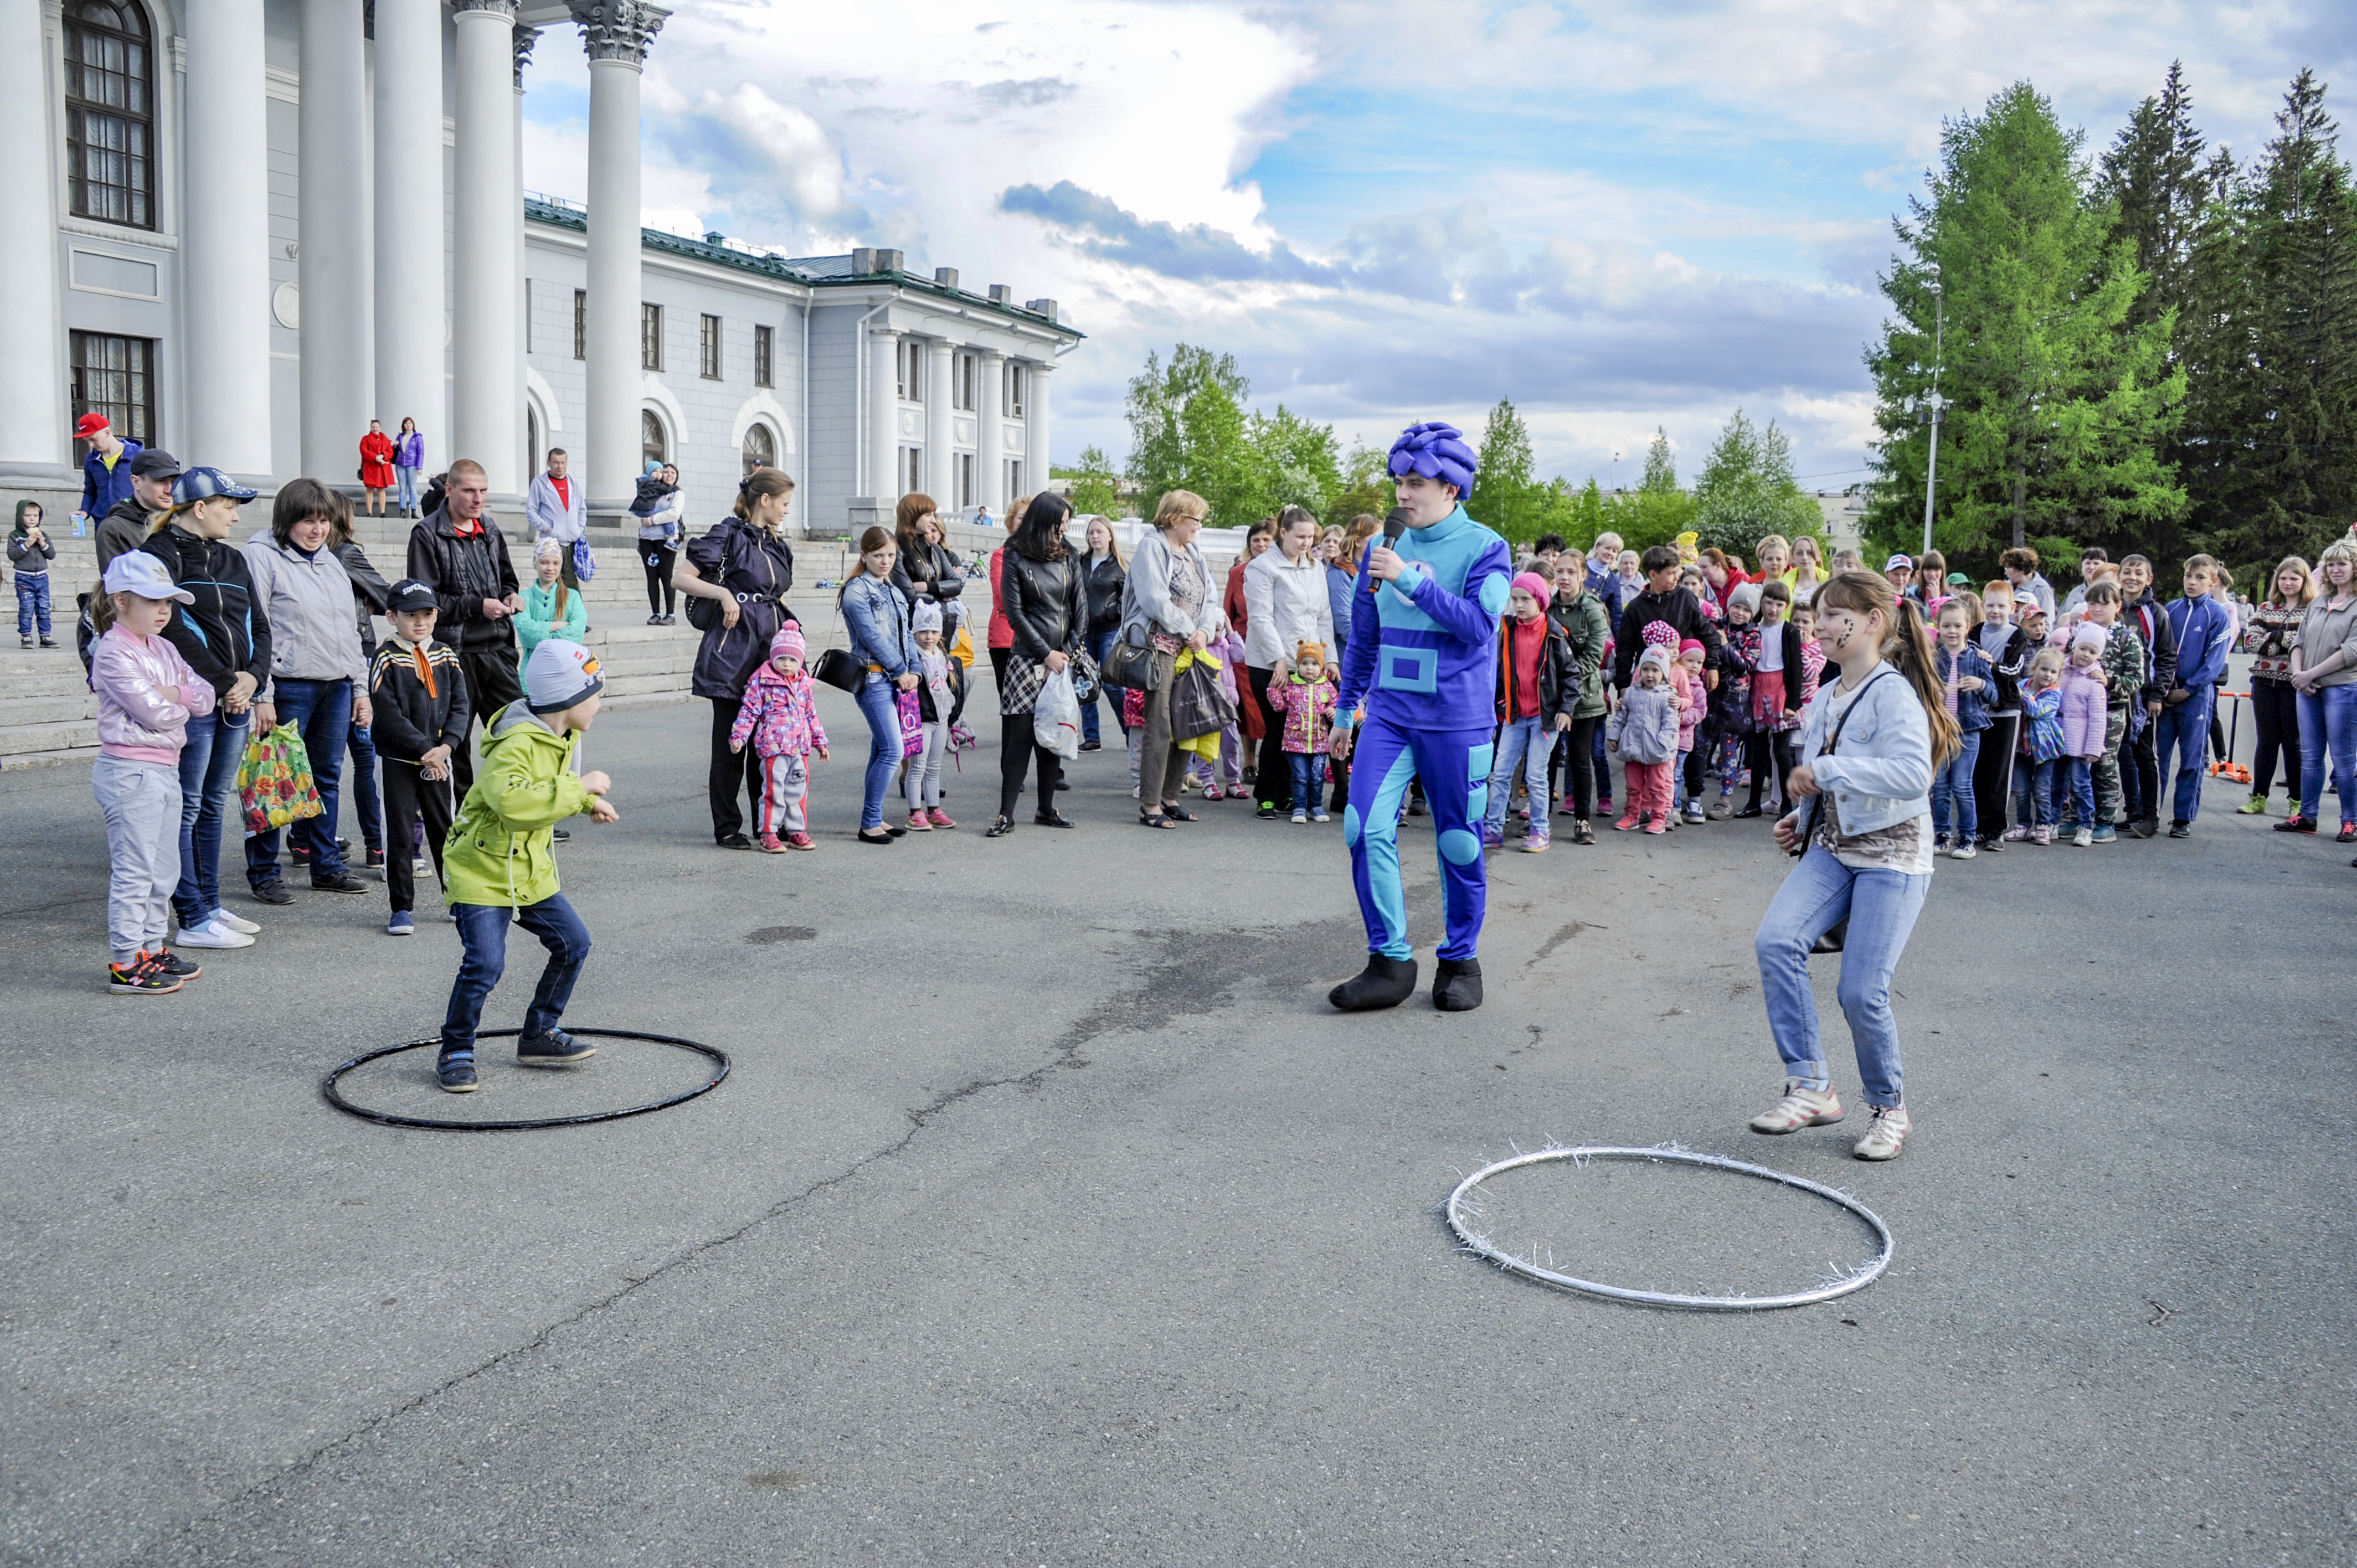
[[89, 424], [155, 464], [410, 594], [1896, 561], [1960, 579], [137, 572], [202, 483]]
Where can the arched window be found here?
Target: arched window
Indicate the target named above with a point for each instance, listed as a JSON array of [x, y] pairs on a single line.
[[110, 112], [761, 447], [651, 436]]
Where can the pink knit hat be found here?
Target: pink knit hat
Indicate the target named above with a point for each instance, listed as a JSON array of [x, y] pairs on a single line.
[[1533, 585], [1689, 646], [788, 643]]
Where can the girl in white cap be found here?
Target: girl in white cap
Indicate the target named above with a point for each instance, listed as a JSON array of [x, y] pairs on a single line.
[[146, 695]]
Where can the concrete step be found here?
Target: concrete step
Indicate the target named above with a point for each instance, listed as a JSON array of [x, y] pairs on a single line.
[[35, 739], [19, 710]]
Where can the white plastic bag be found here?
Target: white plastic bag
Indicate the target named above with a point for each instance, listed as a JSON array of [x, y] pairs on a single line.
[[1056, 716]]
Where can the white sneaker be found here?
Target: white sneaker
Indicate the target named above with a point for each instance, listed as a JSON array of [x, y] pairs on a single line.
[[421, 866], [2084, 837], [1884, 1135], [1801, 1107], [1694, 812], [1300, 818], [234, 922], [213, 934], [1963, 850]]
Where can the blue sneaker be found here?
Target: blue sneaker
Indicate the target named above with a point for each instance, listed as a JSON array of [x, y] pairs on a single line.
[[555, 1048], [2106, 834], [456, 1072], [400, 924]]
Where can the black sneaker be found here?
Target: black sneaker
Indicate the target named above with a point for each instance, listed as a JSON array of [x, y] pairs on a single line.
[[140, 977], [2179, 831], [1267, 813], [456, 1072], [561, 835], [734, 840], [336, 882], [555, 1048], [1092, 745], [167, 962], [375, 862], [273, 892]]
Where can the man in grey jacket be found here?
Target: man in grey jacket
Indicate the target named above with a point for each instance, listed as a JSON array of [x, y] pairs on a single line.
[[557, 507]]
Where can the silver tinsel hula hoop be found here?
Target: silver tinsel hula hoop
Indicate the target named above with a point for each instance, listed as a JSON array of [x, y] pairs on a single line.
[[1465, 1208]]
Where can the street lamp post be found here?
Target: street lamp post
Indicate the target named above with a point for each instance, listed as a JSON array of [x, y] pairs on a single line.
[[1935, 402]]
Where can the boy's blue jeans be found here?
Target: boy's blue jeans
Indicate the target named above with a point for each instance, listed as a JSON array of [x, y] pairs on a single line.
[[1880, 907], [483, 933], [1308, 782], [32, 603], [1951, 790], [208, 760], [2184, 730], [1525, 744]]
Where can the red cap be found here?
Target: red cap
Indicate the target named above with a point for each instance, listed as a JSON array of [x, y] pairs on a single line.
[[88, 424]]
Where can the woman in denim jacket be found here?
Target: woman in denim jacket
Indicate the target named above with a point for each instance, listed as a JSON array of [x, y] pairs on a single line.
[[1870, 746], [876, 617]]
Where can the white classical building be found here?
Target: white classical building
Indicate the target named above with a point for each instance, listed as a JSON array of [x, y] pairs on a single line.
[[271, 220]]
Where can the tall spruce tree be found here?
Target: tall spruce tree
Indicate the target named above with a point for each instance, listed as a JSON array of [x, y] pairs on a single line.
[[2059, 399], [2270, 446], [2152, 176]]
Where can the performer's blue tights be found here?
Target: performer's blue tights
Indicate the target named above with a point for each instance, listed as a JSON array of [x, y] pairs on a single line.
[[1455, 767]]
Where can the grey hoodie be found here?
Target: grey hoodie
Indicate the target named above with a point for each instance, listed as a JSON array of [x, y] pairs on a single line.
[[314, 635]]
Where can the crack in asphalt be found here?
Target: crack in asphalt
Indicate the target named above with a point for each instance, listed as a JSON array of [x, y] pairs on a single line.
[[1190, 975]]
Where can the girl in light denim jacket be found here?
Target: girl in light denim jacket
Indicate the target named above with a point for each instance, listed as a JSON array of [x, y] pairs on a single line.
[[876, 617], [1870, 746]]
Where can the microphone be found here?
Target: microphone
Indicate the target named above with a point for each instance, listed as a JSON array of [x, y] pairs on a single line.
[[1394, 524]]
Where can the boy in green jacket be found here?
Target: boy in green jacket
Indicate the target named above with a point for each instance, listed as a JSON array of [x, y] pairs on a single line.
[[499, 862]]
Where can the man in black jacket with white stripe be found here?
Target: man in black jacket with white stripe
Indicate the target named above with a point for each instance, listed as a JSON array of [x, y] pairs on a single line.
[[461, 553]]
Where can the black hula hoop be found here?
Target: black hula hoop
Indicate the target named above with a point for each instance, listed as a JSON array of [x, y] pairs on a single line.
[[335, 1096]]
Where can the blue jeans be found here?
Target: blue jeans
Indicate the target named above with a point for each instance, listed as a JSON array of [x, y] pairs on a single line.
[[1880, 907], [1099, 643], [365, 799], [2075, 784], [483, 933], [405, 482], [1951, 791], [2328, 724], [2186, 729], [32, 603], [883, 713], [2033, 793], [321, 712], [1308, 782], [208, 760], [1525, 744]]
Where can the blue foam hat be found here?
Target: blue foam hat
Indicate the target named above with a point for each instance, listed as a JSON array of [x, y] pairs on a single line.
[[1438, 451]]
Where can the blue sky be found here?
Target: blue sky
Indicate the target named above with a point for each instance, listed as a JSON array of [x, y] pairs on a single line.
[[1622, 215]]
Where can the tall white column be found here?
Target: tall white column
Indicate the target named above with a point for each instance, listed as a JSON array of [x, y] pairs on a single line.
[[409, 221], [337, 384], [1035, 428], [883, 417], [224, 243], [484, 325], [941, 460], [33, 427], [616, 34], [990, 424], [524, 39]]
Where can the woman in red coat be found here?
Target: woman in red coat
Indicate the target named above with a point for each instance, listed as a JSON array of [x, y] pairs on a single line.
[[376, 465]]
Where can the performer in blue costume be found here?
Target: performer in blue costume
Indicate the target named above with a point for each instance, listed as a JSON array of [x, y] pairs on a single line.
[[1429, 681]]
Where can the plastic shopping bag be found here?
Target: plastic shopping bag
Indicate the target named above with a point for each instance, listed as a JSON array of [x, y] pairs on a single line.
[[1198, 706], [273, 782], [1056, 716], [913, 722], [585, 562]]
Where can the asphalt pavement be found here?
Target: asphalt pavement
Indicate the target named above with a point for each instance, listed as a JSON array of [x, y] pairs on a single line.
[[1049, 1216]]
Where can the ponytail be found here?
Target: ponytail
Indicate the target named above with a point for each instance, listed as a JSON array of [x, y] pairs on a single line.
[[101, 611], [759, 483], [1911, 651]]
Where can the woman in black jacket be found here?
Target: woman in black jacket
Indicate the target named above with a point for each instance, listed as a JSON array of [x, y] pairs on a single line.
[[745, 566], [926, 569], [1041, 589], [1104, 574]]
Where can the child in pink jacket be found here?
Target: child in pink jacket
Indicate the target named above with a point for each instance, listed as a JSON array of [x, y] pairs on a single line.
[[1306, 697], [2086, 689], [146, 695], [781, 721]]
